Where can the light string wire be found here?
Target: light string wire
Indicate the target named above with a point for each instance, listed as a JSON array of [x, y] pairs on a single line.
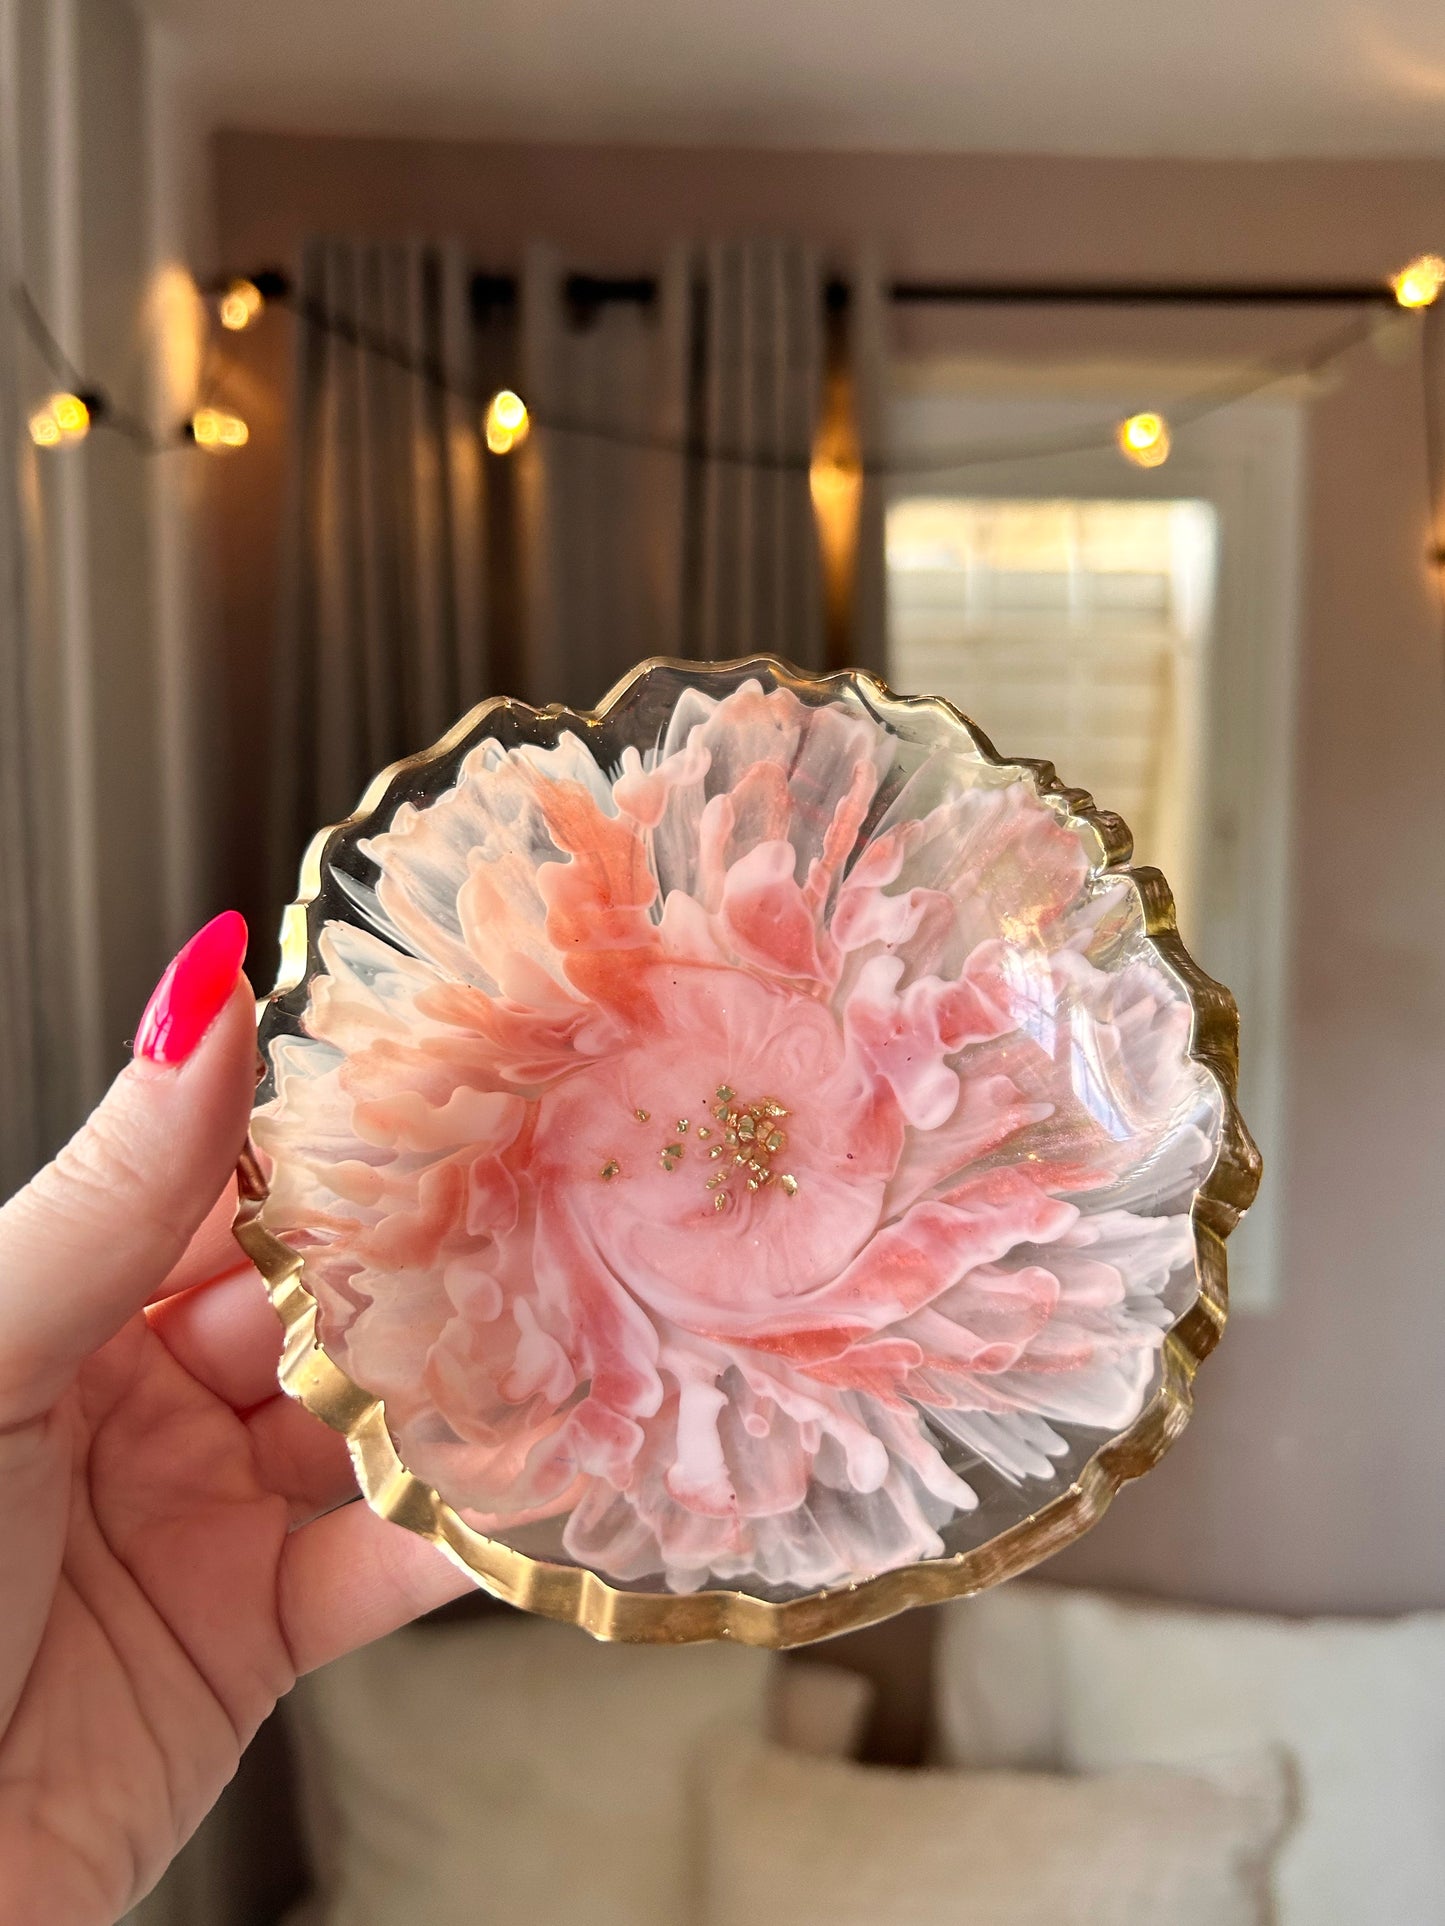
[[1098, 437], [1256, 379], [1251, 381], [1322, 354], [103, 410]]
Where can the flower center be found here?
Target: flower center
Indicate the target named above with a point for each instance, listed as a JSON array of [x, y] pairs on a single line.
[[753, 1139], [741, 1147]]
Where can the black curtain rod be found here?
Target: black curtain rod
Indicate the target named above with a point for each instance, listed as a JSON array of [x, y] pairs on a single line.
[[586, 292], [1130, 294]]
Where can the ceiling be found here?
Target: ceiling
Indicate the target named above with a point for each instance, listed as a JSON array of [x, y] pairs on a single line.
[[1188, 77]]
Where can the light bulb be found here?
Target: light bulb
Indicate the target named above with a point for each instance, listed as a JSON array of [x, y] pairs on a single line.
[[1419, 282], [833, 478], [72, 417], [215, 430], [1143, 440], [507, 422], [240, 305], [65, 417]]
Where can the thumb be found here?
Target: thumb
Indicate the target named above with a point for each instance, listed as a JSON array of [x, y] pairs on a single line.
[[88, 1240]]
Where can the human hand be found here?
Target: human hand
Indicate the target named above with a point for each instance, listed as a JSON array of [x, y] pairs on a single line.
[[170, 1555]]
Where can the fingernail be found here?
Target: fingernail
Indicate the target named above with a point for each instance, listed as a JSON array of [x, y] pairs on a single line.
[[193, 991]]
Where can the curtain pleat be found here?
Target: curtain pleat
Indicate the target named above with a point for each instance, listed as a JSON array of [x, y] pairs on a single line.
[[462, 675], [46, 1080], [21, 1021], [865, 641], [755, 576], [388, 636], [599, 474]]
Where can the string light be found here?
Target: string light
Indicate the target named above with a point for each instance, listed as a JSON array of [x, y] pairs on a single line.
[[833, 481], [63, 418], [241, 303], [1419, 282], [1144, 440], [215, 430], [836, 475], [507, 422]]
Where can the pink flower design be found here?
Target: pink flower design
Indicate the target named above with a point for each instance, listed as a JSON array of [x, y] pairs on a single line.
[[732, 1165]]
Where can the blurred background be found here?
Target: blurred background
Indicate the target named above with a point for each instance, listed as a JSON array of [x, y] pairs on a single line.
[[1081, 365]]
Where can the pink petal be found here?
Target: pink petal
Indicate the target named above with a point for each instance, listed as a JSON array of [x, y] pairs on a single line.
[[766, 915]]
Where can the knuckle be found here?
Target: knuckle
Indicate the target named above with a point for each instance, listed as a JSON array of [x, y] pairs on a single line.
[[95, 1171], [99, 1186], [97, 1161]]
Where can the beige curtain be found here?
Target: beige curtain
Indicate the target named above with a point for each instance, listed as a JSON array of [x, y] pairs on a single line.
[[661, 504], [84, 869], [394, 624], [601, 503], [667, 507], [20, 1110], [783, 539], [862, 639], [751, 577]]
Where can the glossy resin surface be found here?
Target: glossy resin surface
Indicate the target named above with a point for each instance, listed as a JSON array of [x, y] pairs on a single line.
[[753, 1138]]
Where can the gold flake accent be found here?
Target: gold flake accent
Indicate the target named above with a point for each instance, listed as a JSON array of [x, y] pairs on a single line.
[[720, 1202], [750, 1132], [789, 1184], [611, 1168], [703, 1133], [642, 1116], [681, 1126], [725, 1093]]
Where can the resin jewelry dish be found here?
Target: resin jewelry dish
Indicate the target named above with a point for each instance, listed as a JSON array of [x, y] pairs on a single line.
[[742, 1162]]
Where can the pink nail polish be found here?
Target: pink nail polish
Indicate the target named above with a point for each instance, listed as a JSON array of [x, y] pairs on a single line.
[[193, 991]]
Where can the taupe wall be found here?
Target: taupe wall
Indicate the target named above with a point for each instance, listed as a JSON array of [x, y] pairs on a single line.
[[1312, 1478]]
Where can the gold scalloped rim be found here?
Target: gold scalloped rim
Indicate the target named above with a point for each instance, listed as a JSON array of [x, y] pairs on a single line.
[[578, 1596]]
